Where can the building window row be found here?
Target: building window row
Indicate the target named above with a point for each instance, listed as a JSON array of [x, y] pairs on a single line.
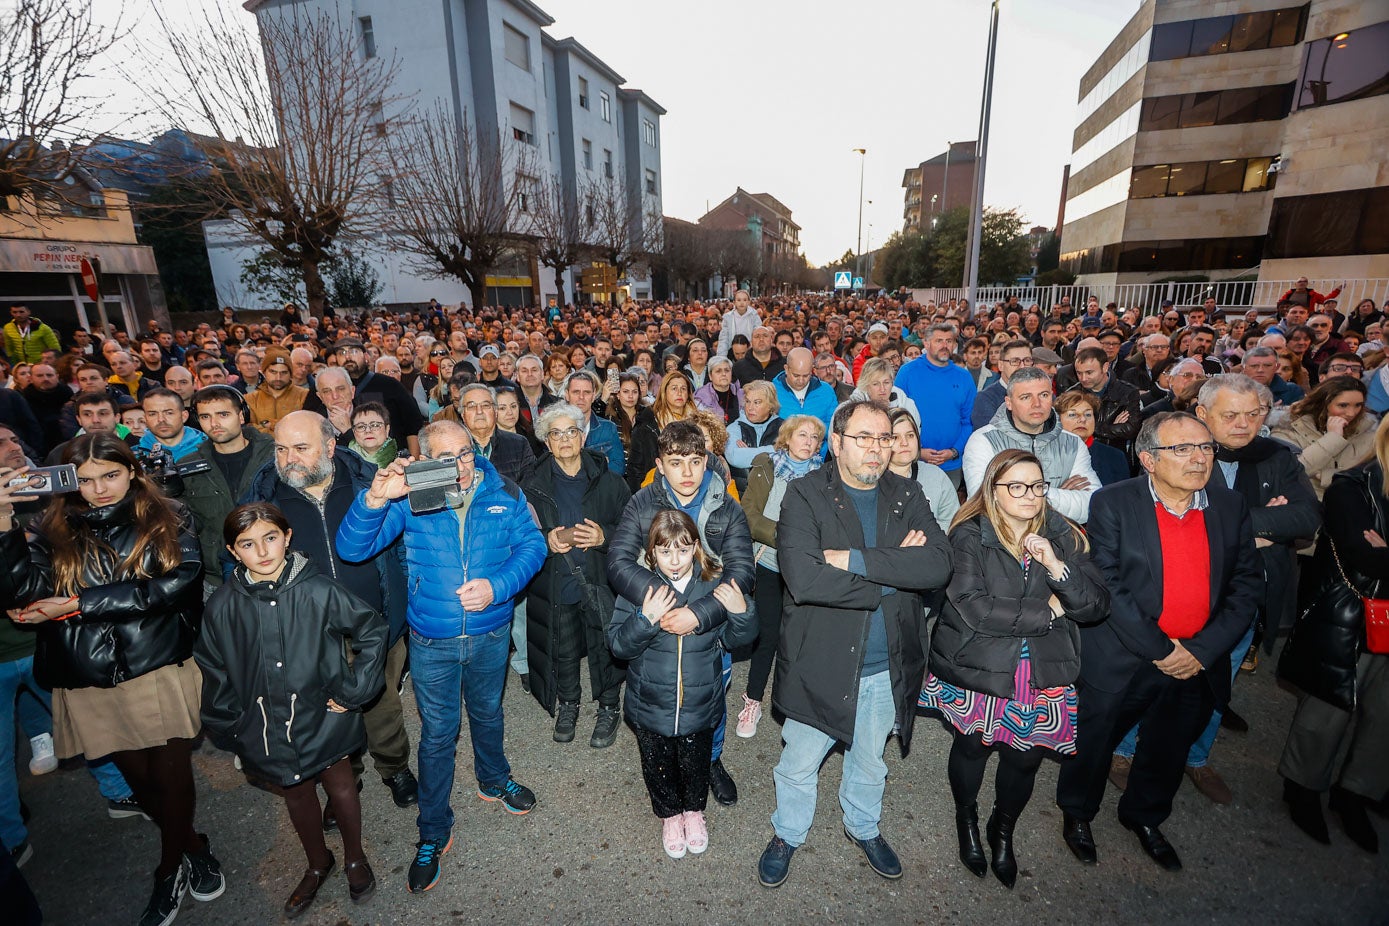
[[1219, 35], [1194, 178], [1338, 224], [1232, 106], [648, 132], [1124, 126], [1108, 192], [1178, 255], [1116, 76], [1343, 67]]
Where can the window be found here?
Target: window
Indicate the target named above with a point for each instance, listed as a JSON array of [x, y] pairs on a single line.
[[650, 181], [583, 92], [588, 154], [525, 192], [1161, 112], [1218, 35], [1257, 176], [1225, 176], [522, 124], [1181, 255], [605, 106], [1233, 106], [388, 189], [588, 212], [648, 132], [1187, 178], [1199, 109], [1349, 222], [1348, 66], [607, 163], [368, 36], [1149, 181], [378, 120], [518, 46], [1230, 175]]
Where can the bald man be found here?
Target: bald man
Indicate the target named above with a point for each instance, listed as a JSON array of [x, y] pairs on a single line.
[[800, 392]]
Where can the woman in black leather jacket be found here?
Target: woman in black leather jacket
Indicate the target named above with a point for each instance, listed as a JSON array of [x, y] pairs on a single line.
[[111, 579], [279, 691]]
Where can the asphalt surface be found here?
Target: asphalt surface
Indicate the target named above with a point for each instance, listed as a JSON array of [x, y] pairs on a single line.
[[590, 851]]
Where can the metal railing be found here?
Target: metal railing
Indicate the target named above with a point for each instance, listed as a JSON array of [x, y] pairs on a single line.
[[1241, 295]]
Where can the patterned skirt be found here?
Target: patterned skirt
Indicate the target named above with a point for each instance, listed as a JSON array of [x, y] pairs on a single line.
[[1043, 717]]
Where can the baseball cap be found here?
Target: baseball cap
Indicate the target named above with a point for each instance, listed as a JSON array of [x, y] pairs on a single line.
[[1090, 322], [489, 350], [878, 328]]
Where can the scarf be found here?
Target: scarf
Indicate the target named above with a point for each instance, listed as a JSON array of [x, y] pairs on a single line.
[[1247, 457], [383, 456], [784, 466]]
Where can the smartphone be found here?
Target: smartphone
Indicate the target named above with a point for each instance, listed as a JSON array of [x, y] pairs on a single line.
[[566, 536], [47, 480]]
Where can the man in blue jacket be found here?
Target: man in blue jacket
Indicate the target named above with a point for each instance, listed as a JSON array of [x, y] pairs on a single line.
[[466, 562], [944, 395], [799, 392]]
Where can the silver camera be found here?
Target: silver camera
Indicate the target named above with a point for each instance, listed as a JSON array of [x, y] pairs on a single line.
[[433, 484]]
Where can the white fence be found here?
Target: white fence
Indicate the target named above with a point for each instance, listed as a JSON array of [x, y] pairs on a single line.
[[1148, 297]]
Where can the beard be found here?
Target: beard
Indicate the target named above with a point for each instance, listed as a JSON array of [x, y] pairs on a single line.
[[299, 476]]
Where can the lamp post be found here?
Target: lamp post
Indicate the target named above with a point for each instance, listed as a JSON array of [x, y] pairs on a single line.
[[858, 238], [981, 155]]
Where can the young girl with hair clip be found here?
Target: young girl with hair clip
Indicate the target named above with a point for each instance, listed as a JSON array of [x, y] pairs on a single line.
[[280, 692], [675, 686]]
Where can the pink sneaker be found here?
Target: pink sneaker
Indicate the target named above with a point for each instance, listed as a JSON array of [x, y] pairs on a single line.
[[673, 835], [696, 832], [748, 718]]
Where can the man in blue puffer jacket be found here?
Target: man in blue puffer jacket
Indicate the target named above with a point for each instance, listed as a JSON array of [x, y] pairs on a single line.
[[466, 563]]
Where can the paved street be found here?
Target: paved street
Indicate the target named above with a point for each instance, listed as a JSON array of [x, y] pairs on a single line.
[[590, 852]]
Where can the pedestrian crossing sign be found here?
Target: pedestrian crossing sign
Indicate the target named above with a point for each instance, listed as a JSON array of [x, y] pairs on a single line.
[[843, 279]]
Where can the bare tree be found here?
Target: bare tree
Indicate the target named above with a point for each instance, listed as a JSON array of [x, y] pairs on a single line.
[[557, 224], [736, 255], [295, 117], [688, 257], [48, 49], [625, 232], [458, 197]]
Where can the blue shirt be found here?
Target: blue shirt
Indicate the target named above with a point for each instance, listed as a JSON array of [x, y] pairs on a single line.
[[875, 655], [944, 397], [189, 442]]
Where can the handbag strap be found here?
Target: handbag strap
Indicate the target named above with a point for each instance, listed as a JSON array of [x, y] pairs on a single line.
[[1342, 570]]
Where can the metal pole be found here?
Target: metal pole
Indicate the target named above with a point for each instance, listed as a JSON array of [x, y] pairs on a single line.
[[945, 180], [858, 238], [981, 156]]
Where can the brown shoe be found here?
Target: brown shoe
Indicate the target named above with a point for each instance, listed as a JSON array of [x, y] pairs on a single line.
[[1119, 771], [1209, 783], [307, 890]]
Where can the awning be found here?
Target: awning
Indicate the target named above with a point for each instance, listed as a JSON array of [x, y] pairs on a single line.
[[32, 255]]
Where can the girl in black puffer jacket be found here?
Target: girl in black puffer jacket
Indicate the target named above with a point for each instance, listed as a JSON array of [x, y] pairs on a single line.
[[675, 675], [279, 691]]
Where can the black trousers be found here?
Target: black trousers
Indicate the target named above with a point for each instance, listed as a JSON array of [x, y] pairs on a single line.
[[573, 637], [1173, 712], [1017, 773], [676, 770], [768, 601]]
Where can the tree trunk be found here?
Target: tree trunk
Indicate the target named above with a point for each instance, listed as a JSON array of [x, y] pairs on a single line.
[[559, 286], [314, 288], [477, 291]]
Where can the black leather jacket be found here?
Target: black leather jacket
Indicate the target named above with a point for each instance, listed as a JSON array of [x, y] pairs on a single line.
[[127, 627]]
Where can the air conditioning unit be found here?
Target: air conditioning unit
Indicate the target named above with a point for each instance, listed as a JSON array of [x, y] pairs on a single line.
[[1278, 165]]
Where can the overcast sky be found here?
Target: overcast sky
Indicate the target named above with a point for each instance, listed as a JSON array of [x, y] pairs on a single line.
[[774, 95]]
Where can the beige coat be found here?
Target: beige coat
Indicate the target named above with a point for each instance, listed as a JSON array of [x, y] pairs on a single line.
[[1325, 454]]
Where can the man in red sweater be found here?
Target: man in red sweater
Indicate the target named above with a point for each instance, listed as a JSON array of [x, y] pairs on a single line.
[[1185, 581]]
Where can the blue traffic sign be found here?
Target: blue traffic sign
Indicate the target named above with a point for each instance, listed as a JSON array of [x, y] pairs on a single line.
[[843, 279], [858, 282]]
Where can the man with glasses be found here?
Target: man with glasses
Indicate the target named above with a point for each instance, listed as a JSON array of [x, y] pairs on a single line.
[[851, 659], [1026, 421], [829, 371], [1012, 357], [1185, 581], [1141, 372], [509, 453], [1184, 378], [466, 562]]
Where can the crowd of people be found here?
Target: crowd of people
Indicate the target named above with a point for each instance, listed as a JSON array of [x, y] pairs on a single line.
[[1057, 532]]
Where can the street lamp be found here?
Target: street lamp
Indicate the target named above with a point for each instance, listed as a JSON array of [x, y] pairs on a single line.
[[981, 154], [858, 238]]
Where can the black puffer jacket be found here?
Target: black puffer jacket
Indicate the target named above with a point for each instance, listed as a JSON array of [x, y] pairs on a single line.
[[1329, 636], [603, 502], [675, 683], [272, 655], [127, 627], [992, 606], [640, 446]]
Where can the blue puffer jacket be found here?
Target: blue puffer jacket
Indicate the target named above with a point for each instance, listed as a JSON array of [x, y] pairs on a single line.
[[503, 545]]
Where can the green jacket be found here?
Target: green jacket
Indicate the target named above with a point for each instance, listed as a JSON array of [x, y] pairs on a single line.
[[29, 349], [210, 499]]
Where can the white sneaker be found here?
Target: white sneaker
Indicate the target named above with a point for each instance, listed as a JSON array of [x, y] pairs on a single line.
[[43, 760], [748, 718]]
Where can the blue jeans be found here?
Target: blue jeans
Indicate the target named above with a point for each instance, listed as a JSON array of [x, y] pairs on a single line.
[[520, 660], [722, 728], [1200, 752], [865, 772], [442, 670]]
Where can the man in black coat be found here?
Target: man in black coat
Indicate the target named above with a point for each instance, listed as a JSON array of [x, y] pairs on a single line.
[[509, 453], [686, 482], [314, 483], [1119, 418], [857, 546], [1185, 583]]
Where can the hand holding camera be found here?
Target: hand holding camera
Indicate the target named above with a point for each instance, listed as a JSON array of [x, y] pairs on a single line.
[[389, 483]]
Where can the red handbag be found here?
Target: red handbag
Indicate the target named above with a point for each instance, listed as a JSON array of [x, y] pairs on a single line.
[[1376, 612]]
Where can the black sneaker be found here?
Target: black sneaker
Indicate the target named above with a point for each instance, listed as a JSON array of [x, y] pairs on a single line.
[[22, 853], [125, 807], [424, 870], [405, 790], [605, 730], [722, 785], [164, 902], [517, 799], [566, 719], [526, 682], [205, 878]]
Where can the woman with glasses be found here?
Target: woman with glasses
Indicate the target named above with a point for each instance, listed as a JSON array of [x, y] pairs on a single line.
[[1078, 409], [1332, 429], [577, 502], [1006, 651], [371, 434]]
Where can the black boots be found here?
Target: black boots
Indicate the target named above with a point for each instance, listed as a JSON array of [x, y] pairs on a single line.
[[1350, 807], [1304, 805], [566, 719], [971, 850], [1000, 832]]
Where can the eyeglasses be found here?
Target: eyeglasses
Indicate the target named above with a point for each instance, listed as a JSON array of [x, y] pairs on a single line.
[[438, 353], [1343, 368], [869, 441], [1255, 415], [1017, 361], [1182, 451], [478, 406], [464, 454], [565, 434], [1019, 489], [367, 427]]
